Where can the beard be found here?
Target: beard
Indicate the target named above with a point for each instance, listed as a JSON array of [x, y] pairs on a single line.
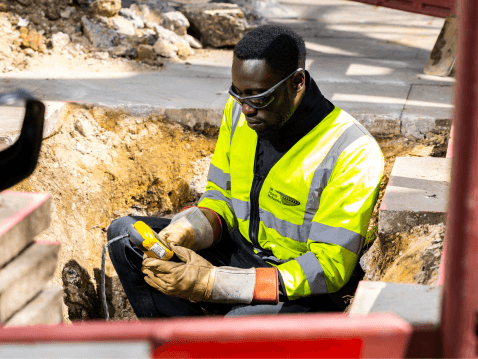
[[285, 110]]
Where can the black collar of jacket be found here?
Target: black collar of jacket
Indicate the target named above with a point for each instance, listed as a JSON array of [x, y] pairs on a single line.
[[313, 108]]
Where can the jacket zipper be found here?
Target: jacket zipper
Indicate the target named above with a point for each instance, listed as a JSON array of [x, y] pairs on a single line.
[[254, 222]]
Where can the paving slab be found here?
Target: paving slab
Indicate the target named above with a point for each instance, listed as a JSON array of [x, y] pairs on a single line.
[[44, 309], [22, 217], [420, 305], [417, 193], [25, 276], [427, 107]]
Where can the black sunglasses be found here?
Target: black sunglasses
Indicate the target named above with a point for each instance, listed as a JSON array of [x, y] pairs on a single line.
[[263, 99]]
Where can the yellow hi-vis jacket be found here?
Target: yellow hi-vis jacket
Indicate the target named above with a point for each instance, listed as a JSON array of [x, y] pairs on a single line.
[[314, 205]]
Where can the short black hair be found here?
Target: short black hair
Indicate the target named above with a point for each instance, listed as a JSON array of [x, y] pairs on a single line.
[[279, 46]]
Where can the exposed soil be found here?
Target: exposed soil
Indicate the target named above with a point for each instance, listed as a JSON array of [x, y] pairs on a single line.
[[412, 256], [105, 164]]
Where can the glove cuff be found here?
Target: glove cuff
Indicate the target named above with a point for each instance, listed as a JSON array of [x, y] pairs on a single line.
[[233, 285], [266, 289]]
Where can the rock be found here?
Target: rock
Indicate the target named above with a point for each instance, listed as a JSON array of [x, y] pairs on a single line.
[[169, 35], [24, 2], [22, 22], [184, 51], [145, 13], [52, 13], [146, 54], [106, 8], [176, 22], [135, 20], [158, 5], [31, 39], [218, 24], [98, 35], [165, 48], [59, 40], [123, 25], [195, 44], [255, 10], [124, 50], [65, 14]]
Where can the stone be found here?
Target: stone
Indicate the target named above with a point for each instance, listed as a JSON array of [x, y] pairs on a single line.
[[123, 25], [184, 50], [65, 14], [145, 13], [218, 24], [46, 308], [60, 40], [23, 278], [106, 8], [31, 39], [263, 8], [52, 13], [169, 35], [135, 20], [123, 50], [22, 217], [165, 48], [146, 54], [159, 5], [195, 44], [175, 21], [97, 34]]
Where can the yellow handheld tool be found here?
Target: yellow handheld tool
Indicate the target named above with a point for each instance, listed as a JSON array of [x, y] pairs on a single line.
[[149, 241]]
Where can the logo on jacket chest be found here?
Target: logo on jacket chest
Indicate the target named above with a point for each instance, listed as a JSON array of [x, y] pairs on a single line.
[[282, 198]]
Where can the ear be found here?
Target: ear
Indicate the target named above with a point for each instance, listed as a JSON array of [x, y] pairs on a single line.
[[298, 81]]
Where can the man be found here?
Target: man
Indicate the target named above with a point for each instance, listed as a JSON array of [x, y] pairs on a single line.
[[290, 192]]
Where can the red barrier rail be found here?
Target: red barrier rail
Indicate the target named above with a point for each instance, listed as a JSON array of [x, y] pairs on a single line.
[[304, 336], [438, 8], [460, 291]]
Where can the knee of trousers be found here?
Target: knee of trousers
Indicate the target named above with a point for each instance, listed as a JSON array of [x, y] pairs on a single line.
[[119, 227]]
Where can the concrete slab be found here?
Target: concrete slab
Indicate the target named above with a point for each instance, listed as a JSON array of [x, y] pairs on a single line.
[[417, 193], [44, 309], [24, 277], [419, 305], [427, 107], [22, 217]]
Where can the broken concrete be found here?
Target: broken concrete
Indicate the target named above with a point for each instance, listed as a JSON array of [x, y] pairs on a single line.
[[106, 8], [100, 36], [218, 24]]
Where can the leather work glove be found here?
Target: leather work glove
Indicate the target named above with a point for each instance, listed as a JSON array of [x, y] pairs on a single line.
[[195, 228], [198, 280]]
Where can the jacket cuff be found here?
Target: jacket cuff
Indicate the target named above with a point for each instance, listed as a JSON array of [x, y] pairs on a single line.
[[266, 289]]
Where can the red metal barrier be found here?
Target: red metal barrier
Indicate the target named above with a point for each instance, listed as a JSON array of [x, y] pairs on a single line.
[[460, 297], [305, 336], [438, 8]]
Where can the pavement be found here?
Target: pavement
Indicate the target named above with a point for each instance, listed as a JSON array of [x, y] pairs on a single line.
[[367, 60]]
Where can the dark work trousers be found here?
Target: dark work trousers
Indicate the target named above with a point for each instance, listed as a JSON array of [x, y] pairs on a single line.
[[233, 250]]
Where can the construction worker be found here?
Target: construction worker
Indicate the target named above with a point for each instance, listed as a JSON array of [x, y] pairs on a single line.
[[291, 188]]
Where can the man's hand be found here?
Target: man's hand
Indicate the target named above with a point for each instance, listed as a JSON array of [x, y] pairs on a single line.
[[198, 280], [195, 228]]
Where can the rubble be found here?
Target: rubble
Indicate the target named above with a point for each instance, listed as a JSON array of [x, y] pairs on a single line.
[[100, 36], [175, 21], [123, 25], [60, 40], [106, 8], [218, 24]]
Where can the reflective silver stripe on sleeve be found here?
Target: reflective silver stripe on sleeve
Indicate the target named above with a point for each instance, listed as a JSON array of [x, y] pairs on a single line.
[[242, 209], [287, 229], [236, 113], [217, 176], [335, 235], [324, 169], [314, 273], [216, 195]]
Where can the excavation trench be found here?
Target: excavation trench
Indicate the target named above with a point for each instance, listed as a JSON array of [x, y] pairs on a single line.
[[106, 163]]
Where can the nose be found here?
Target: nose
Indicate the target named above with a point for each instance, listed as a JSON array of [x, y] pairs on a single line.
[[248, 110]]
